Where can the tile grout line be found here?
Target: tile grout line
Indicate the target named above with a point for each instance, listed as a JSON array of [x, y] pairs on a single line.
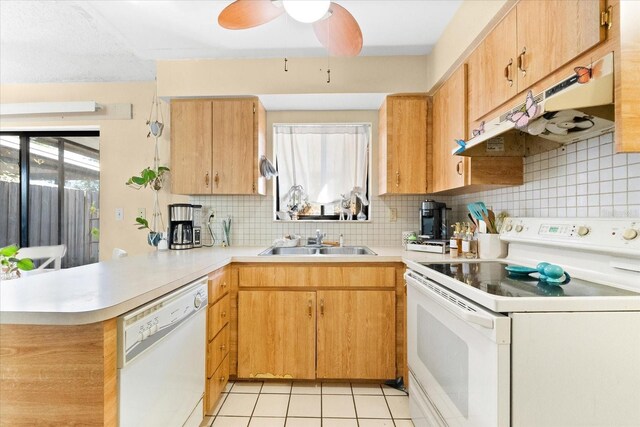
[[355, 409]]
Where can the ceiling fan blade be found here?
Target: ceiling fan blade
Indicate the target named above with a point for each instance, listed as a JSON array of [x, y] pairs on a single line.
[[243, 14], [340, 32]]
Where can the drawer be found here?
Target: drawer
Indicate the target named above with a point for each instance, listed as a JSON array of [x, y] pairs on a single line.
[[218, 317], [217, 349], [215, 385], [314, 276], [219, 282]]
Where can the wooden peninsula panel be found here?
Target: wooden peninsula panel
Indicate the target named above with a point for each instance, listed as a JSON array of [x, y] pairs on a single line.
[[58, 375]]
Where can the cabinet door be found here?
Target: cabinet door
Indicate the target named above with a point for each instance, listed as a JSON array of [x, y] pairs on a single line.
[[234, 155], [356, 334], [276, 334], [492, 69], [449, 124], [406, 145], [552, 33], [190, 147]]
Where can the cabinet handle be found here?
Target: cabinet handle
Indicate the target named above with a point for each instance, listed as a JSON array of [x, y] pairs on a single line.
[[309, 309], [222, 347], [397, 178], [223, 314], [459, 168], [322, 307], [221, 379], [605, 18], [224, 285], [206, 179], [216, 179], [507, 72], [521, 62]]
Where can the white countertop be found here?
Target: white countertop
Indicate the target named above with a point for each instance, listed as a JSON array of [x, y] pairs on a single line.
[[101, 291]]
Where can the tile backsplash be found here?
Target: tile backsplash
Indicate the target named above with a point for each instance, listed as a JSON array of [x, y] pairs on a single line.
[[252, 223], [584, 179]]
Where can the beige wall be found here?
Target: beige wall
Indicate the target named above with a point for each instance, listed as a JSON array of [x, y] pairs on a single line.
[[124, 151], [462, 34], [367, 74]]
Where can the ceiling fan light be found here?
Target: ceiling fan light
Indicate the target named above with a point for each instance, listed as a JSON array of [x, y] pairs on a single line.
[[306, 11]]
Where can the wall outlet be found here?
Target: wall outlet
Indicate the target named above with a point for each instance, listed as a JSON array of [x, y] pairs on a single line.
[[393, 214], [119, 214], [142, 213]]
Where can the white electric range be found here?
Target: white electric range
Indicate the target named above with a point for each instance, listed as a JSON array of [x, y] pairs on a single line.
[[487, 348]]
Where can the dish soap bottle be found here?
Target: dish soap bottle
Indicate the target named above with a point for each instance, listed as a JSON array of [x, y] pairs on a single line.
[[466, 241]]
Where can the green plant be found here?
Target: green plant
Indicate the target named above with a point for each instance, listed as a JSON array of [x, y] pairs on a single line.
[[11, 263], [149, 177]]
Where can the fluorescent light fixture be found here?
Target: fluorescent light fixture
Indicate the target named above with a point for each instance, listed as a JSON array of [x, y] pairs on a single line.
[[306, 11], [48, 108]]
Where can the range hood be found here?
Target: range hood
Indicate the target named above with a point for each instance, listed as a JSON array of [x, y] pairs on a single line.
[[578, 107]]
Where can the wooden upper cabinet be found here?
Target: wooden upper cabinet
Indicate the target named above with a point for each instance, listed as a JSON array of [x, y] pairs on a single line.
[[492, 68], [276, 334], [627, 78], [404, 167], [191, 146], [552, 33], [449, 124], [233, 139], [454, 174], [216, 145], [356, 334]]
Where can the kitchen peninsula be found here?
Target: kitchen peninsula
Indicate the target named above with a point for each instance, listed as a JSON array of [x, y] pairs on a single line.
[[58, 331]]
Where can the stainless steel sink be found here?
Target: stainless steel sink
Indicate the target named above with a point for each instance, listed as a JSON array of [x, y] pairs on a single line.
[[324, 250], [346, 250]]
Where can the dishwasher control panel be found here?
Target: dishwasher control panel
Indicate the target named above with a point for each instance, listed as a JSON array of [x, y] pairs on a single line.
[[139, 329]]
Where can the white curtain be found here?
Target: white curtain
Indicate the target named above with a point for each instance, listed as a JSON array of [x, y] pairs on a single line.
[[326, 160]]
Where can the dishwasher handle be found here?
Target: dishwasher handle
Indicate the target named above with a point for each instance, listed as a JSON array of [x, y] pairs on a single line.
[[424, 287]]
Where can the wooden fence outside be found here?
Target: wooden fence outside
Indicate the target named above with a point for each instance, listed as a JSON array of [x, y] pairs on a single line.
[[78, 220]]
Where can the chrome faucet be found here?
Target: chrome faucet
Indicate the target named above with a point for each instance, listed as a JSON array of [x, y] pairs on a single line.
[[319, 236]]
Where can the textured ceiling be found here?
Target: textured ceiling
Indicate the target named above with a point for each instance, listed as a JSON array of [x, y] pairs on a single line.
[[83, 41]]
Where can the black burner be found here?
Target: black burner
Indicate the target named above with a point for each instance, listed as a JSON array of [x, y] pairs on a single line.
[[492, 278]]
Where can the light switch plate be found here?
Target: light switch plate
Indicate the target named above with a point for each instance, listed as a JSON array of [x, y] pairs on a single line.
[[119, 214], [393, 214]]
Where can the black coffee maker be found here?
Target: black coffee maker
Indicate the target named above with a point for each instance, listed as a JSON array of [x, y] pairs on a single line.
[[434, 224], [180, 226]]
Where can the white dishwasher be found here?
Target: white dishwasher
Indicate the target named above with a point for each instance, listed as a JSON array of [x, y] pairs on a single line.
[[161, 360]]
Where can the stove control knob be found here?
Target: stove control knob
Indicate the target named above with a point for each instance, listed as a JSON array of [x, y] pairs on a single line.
[[629, 234], [509, 227], [583, 231], [519, 228]]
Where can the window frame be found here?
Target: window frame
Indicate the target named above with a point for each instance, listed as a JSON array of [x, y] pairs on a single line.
[[25, 139], [324, 217]]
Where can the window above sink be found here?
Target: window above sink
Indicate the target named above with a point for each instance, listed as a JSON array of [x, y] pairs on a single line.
[[323, 171]]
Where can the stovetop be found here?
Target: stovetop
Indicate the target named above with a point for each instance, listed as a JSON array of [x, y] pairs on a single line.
[[492, 278]]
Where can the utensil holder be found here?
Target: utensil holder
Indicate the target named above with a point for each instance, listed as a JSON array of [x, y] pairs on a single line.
[[490, 246]]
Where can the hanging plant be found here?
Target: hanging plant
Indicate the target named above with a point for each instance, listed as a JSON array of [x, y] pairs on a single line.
[[152, 177]]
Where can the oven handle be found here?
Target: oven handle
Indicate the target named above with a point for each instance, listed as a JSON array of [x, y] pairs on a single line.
[[486, 321]]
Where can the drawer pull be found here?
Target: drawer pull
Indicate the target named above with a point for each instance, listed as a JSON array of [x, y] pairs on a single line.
[[309, 309], [322, 307], [398, 179], [459, 167]]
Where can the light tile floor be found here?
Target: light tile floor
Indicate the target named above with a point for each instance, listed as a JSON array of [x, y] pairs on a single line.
[[299, 404]]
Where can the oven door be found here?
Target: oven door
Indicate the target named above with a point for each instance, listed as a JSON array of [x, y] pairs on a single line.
[[459, 354]]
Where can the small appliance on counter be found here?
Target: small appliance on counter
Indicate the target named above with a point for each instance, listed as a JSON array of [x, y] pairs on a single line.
[[180, 226], [434, 229]]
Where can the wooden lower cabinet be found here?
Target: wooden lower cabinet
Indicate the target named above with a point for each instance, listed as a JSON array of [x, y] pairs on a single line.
[[356, 334], [215, 385], [218, 333], [276, 334]]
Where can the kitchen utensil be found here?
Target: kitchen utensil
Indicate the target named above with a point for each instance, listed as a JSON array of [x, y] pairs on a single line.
[[490, 226]]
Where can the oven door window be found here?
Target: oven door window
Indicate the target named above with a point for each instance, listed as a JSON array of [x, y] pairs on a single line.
[[449, 369]]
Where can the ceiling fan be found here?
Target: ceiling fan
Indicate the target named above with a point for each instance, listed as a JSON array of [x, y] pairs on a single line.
[[334, 26]]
